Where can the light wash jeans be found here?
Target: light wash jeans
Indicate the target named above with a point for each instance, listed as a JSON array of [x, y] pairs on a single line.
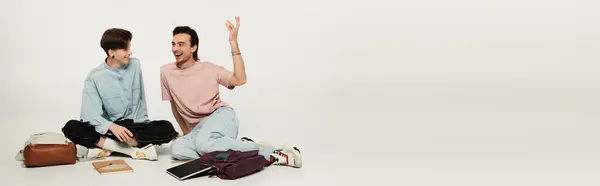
[[217, 132]]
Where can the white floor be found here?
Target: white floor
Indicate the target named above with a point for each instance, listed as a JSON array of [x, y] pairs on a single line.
[[445, 147], [420, 136]]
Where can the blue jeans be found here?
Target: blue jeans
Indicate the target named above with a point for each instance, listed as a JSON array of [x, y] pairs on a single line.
[[216, 132]]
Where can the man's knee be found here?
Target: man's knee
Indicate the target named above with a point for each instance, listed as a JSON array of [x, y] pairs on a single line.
[[73, 127], [80, 133], [177, 151], [180, 152]]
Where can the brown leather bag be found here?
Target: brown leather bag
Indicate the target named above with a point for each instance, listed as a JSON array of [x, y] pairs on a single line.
[[46, 149], [49, 154]]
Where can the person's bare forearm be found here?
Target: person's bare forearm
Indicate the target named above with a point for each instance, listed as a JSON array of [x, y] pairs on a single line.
[[182, 124], [239, 69]]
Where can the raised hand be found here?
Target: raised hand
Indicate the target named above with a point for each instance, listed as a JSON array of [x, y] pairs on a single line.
[[233, 30]]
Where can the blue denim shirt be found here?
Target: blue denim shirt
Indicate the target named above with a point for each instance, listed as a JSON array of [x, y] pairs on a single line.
[[113, 93]]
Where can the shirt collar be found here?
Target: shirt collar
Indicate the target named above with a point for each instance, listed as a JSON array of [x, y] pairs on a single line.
[[197, 62], [114, 69]]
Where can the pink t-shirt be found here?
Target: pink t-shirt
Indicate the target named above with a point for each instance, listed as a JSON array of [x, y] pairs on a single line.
[[195, 90]]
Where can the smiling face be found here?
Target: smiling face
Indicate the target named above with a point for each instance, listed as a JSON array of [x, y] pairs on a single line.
[[184, 44], [116, 43], [121, 55], [182, 48]]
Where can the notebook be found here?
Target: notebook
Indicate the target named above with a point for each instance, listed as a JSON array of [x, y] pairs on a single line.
[[190, 169], [112, 167]]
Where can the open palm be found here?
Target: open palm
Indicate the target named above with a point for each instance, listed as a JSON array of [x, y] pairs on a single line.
[[233, 29]]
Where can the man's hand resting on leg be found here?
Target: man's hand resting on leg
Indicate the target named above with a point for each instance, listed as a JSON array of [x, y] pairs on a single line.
[[122, 133]]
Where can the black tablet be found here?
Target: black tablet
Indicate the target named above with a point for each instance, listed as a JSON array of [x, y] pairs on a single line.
[[189, 169]]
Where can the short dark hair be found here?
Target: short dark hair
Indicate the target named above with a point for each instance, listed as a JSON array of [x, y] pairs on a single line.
[[115, 38], [193, 37]]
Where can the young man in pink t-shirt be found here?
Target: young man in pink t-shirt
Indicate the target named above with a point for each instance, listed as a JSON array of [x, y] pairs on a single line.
[[209, 123]]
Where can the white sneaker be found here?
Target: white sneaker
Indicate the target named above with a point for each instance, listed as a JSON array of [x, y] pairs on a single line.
[[85, 154], [98, 153], [288, 155], [148, 153]]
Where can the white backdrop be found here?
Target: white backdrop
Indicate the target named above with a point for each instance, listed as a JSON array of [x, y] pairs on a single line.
[[497, 87]]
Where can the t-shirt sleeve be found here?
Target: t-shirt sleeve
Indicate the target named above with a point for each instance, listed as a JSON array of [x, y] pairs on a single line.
[[166, 94], [223, 76]]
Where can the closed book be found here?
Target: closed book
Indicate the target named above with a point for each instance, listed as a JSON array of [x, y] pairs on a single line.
[[112, 167]]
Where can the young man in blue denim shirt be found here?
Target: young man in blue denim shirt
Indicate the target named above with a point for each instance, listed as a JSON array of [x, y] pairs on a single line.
[[114, 116]]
